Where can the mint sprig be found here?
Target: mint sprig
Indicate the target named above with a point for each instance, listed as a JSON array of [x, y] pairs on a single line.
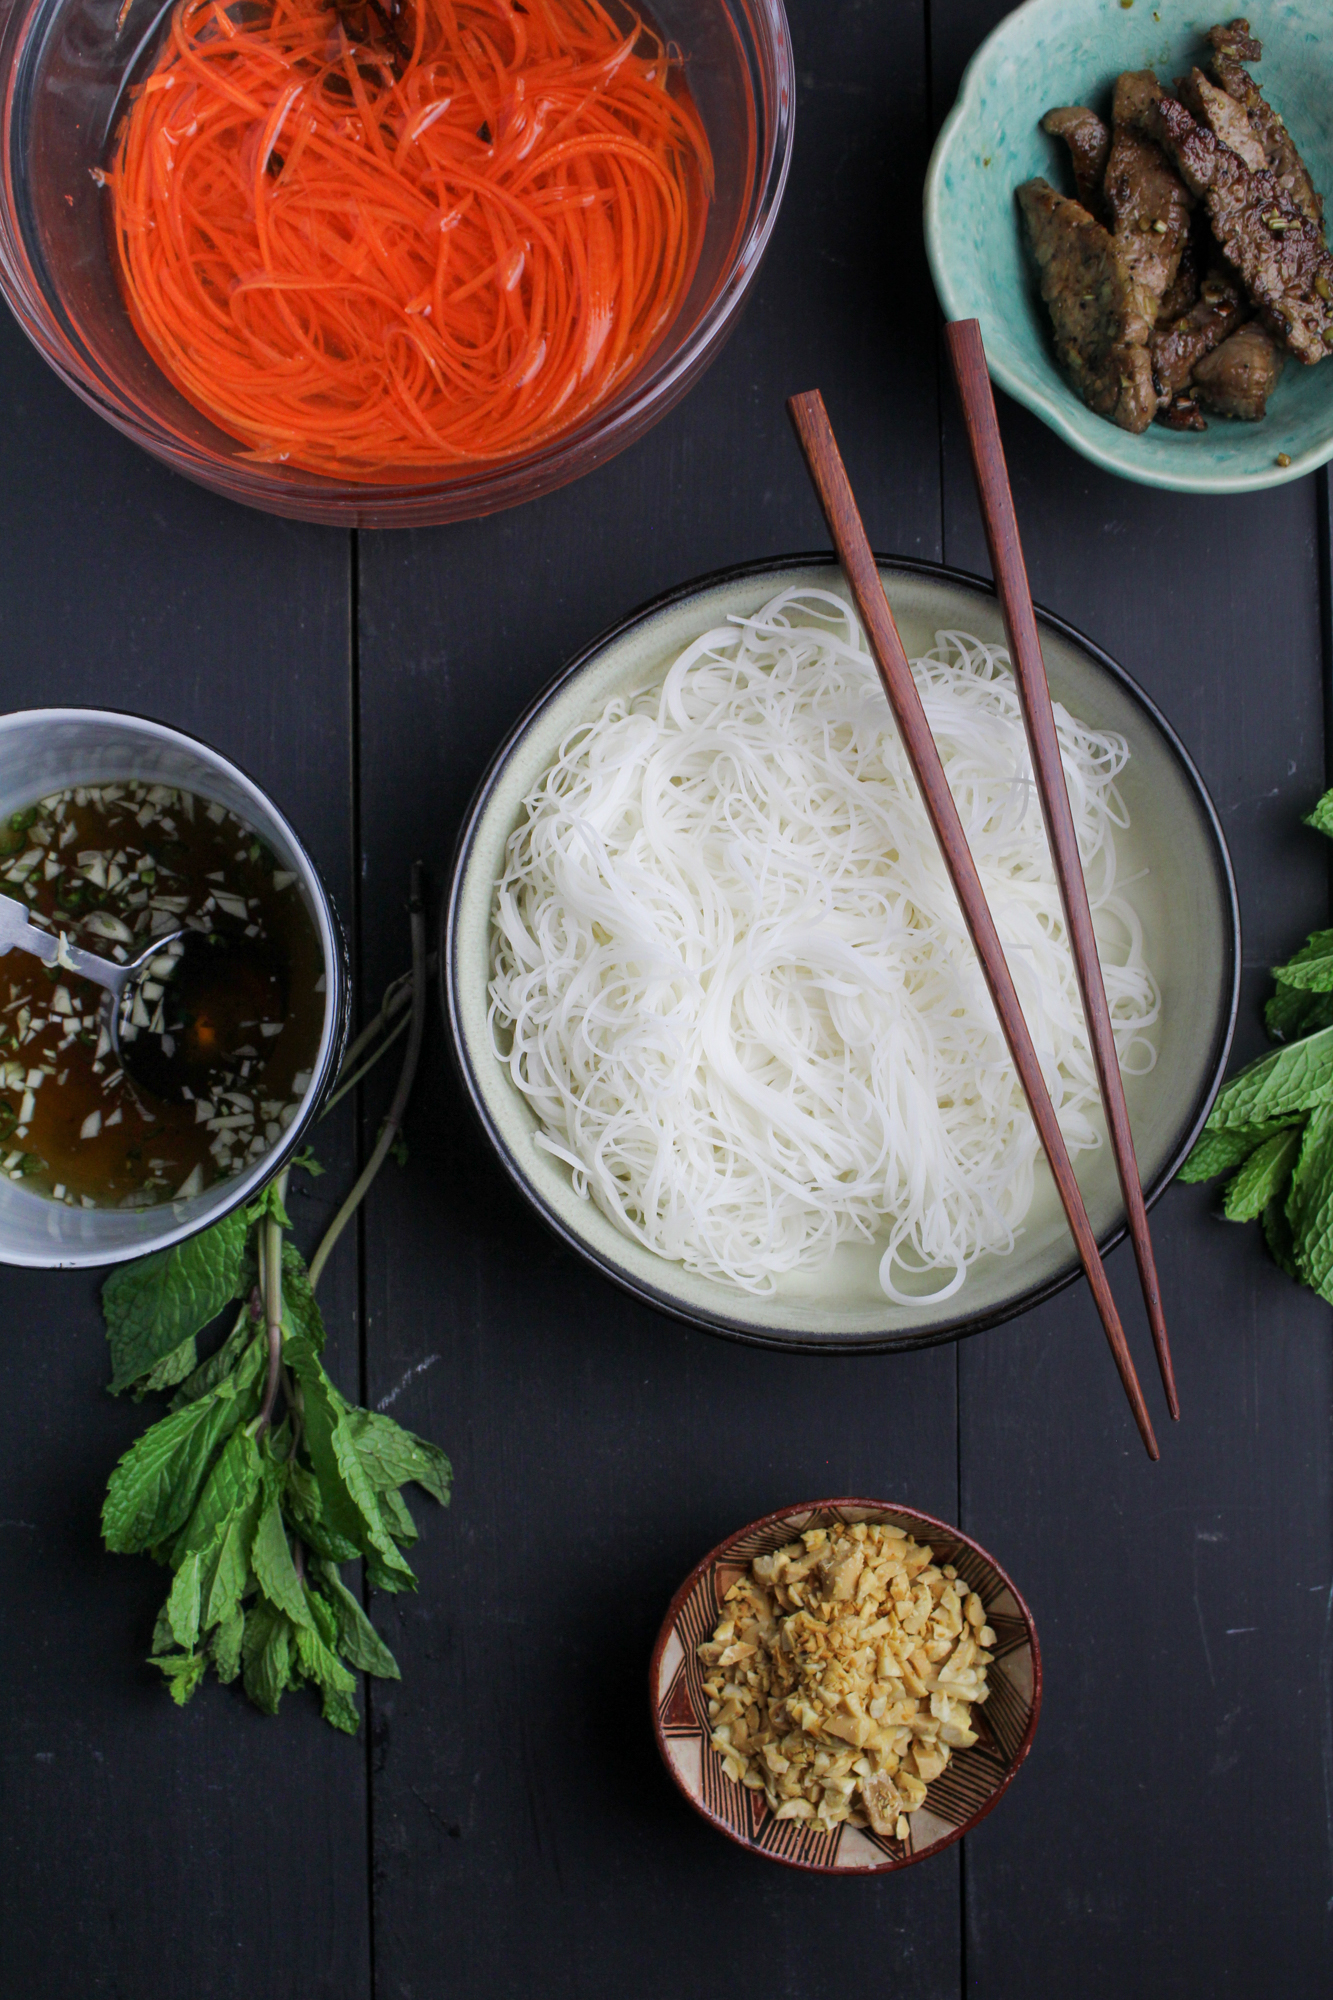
[[1271, 1128], [262, 1481]]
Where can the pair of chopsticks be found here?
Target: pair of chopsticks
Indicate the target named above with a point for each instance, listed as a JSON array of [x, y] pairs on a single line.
[[822, 457]]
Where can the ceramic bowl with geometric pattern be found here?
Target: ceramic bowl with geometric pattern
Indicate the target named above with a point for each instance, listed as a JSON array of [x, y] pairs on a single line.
[[970, 1785]]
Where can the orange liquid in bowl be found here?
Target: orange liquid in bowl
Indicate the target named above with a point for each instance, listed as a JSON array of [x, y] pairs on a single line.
[[377, 241]]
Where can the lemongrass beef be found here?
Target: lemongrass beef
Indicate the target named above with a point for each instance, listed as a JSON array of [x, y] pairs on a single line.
[[110, 868], [730, 974]]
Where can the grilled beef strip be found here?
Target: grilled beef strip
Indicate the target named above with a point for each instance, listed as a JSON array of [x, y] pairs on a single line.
[[1175, 349], [1238, 377], [1224, 118], [1089, 142], [1234, 46], [1096, 308], [1150, 213], [1280, 254], [1183, 292]]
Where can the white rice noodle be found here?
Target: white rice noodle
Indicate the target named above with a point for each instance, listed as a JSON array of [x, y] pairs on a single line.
[[731, 978]]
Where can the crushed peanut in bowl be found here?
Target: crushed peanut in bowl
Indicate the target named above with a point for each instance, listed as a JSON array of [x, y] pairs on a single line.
[[842, 1674]]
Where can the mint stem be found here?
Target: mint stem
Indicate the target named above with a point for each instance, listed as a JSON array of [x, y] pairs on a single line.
[[389, 1129], [270, 1238]]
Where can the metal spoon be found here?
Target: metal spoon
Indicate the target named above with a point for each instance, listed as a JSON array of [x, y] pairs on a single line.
[[181, 1014]]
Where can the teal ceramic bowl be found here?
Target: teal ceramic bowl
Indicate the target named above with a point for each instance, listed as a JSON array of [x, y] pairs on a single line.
[[1070, 52]]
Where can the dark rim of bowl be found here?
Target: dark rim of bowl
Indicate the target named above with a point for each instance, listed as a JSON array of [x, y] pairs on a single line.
[[839, 1343], [933, 1526], [339, 968]]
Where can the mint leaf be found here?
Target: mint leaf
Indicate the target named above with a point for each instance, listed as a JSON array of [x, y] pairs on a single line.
[[154, 1304], [363, 1497], [1312, 967], [271, 1558], [336, 1685], [1290, 1079], [183, 1604], [1278, 1236], [169, 1370], [238, 1495], [232, 1476], [184, 1671], [299, 1307], [226, 1645], [1292, 1013], [266, 1657], [1310, 1203], [357, 1637], [152, 1492], [1263, 1177], [1322, 816], [209, 1373], [307, 1517], [392, 1456], [1217, 1152], [396, 1518]]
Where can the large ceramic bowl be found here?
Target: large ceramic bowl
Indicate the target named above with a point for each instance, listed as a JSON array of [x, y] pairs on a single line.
[[65, 69], [1191, 936], [971, 1783], [1070, 52]]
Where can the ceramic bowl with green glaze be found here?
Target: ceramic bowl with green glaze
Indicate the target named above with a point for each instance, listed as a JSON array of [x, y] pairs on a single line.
[[1070, 52], [1184, 895]]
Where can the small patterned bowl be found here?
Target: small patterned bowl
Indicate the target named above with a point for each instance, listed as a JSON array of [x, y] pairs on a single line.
[[1070, 52], [972, 1782]]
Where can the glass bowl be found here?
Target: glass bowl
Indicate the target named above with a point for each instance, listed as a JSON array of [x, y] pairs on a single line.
[[65, 69]]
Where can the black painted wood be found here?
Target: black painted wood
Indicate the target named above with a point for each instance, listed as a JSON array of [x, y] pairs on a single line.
[[145, 1850], [1182, 1607], [526, 1840]]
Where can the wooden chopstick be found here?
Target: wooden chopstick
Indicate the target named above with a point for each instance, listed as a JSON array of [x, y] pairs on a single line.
[[815, 435], [968, 356]]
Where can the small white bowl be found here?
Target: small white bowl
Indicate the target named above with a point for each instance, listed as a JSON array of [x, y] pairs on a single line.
[[44, 749], [1192, 941]]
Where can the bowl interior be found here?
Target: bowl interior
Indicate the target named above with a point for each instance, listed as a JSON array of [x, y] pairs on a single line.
[[1064, 52], [43, 750], [971, 1782], [1185, 900], [71, 65]]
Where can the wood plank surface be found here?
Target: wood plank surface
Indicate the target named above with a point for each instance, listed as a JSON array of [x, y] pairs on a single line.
[[146, 1850], [1182, 1607], [526, 1839]]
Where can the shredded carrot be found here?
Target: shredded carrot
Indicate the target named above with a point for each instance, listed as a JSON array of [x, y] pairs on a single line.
[[381, 253]]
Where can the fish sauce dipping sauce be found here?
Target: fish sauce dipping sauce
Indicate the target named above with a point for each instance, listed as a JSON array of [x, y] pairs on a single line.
[[92, 1118], [115, 1146], [375, 242]]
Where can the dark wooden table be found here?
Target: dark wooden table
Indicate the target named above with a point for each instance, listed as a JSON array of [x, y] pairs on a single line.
[[503, 1827]]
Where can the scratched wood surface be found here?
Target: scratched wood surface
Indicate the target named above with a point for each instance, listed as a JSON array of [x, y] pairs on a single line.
[[505, 1829]]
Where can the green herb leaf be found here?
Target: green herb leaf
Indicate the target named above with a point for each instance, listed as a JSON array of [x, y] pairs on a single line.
[[337, 1687], [364, 1499], [1292, 1013], [209, 1373], [169, 1370], [357, 1637], [271, 1558], [154, 1304], [307, 1163], [396, 1518], [152, 1492], [305, 1512], [299, 1308], [1263, 1177], [1310, 1203], [184, 1671], [392, 1456], [230, 1483], [1217, 1152], [1288, 1080], [1322, 816], [227, 1559], [266, 1656], [1312, 967], [183, 1604], [226, 1645]]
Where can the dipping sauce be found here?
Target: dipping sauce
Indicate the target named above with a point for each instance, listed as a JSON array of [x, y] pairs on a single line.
[[113, 867], [378, 242]]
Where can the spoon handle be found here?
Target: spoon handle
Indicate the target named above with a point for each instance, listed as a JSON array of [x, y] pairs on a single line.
[[15, 930]]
